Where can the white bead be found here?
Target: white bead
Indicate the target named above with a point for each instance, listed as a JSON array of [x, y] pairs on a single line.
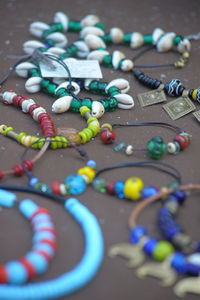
[[120, 83], [165, 43], [157, 34], [127, 65], [85, 178], [97, 55], [32, 85], [124, 101], [62, 104], [65, 86], [97, 109], [184, 45], [56, 51], [83, 49], [90, 20], [171, 148], [37, 28], [194, 259], [23, 68], [116, 35], [116, 58], [8, 96], [137, 40], [59, 39], [62, 189], [37, 112], [87, 83], [30, 46], [129, 150], [26, 104], [91, 30], [94, 42], [62, 18]]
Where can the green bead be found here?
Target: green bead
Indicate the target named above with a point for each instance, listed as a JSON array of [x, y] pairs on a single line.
[[156, 147], [113, 90], [50, 42], [162, 250], [148, 40], [173, 185], [61, 91], [32, 71], [46, 33], [107, 61], [107, 39], [42, 49], [99, 184], [75, 105], [87, 102], [177, 40], [101, 88], [112, 103], [59, 27], [119, 147], [127, 39], [74, 26], [45, 83], [51, 88], [93, 87], [101, 26]]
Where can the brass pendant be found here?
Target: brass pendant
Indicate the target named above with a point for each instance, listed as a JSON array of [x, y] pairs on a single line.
[[179, 107], [151, 97], [133, 253], [162, 271], [197, 115]]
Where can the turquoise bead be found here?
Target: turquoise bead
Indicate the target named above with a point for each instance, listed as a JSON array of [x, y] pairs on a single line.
[[76, 184]]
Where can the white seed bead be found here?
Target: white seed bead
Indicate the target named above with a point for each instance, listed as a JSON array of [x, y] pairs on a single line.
[[26, 104], [8, 96], [171, 148], [116, 58], [116, 35], [157, 34], [62, 189], [62, 18], [137, 40], [127, 65], [37, 112], [129, 150]]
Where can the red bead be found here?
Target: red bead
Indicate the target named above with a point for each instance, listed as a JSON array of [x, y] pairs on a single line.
[[29, 267], [52, 244], [17, 100], [55, 187], [1, 174], [32, 108], [3, 275], [28, 164], [40, 210], [18, 170], [43, 116], [51, 230], [11, 91], [111, 188], [108, 137], [182, 140]]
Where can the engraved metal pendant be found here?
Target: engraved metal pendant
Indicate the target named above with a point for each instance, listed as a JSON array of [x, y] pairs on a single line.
[[179, 107], [189, 285], [197, 115], [151, 97]]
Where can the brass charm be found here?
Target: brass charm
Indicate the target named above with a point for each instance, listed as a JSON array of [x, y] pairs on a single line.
[[197, 115], [189, 285], [162, 271], [152, 97], [179, 107], [133, 253]]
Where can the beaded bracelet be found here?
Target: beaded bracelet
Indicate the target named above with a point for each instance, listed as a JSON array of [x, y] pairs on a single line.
[[44, 245], [78, 277], [133, 188], [171, 262], [155, 147]]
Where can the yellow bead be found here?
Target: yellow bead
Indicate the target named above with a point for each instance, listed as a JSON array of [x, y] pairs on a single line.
[[7, 130], [91, 119], [88, 172], [194, 94], [88, 133], [94, 123], [107, 125], [53, 143], [20, 136], [83, 137], [94, 129], [133, 188], [2, 128], [164, 189], [64, 142], [83, 110]]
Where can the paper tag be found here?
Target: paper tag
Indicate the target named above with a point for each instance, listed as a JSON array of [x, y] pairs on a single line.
[[179, 107], [77, 68]]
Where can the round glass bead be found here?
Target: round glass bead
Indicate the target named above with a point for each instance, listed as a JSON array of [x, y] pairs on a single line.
[[150, 246], [162, 250], [136, 233], [119, 189], [149, 191], [76, 184], [133, 188], [91, 164], [99, 184], [179, 263], [180, 195], [156, 147]]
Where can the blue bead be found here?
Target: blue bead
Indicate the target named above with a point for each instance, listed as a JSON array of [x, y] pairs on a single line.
[[179, 263], [43, 235], [7, 199], [40, 217], [171, 198], [16, 272], [33, 181], [178, 148], [193, 269], [91, 163], [43, 224], [27, 207], [198, 247], [149, 191], [136, 233], [38, 261], [150, 246], [46, 248], [180, 195], [76, 184], [119, 189]]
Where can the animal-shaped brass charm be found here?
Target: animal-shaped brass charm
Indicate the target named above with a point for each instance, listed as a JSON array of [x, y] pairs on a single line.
[[189, 285]]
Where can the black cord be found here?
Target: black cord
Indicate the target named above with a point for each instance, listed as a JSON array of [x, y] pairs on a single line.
[[17, 188], [155, 165]]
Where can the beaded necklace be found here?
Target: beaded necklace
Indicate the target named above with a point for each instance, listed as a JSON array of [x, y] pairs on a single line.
[[171, 262], [75, 279]]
